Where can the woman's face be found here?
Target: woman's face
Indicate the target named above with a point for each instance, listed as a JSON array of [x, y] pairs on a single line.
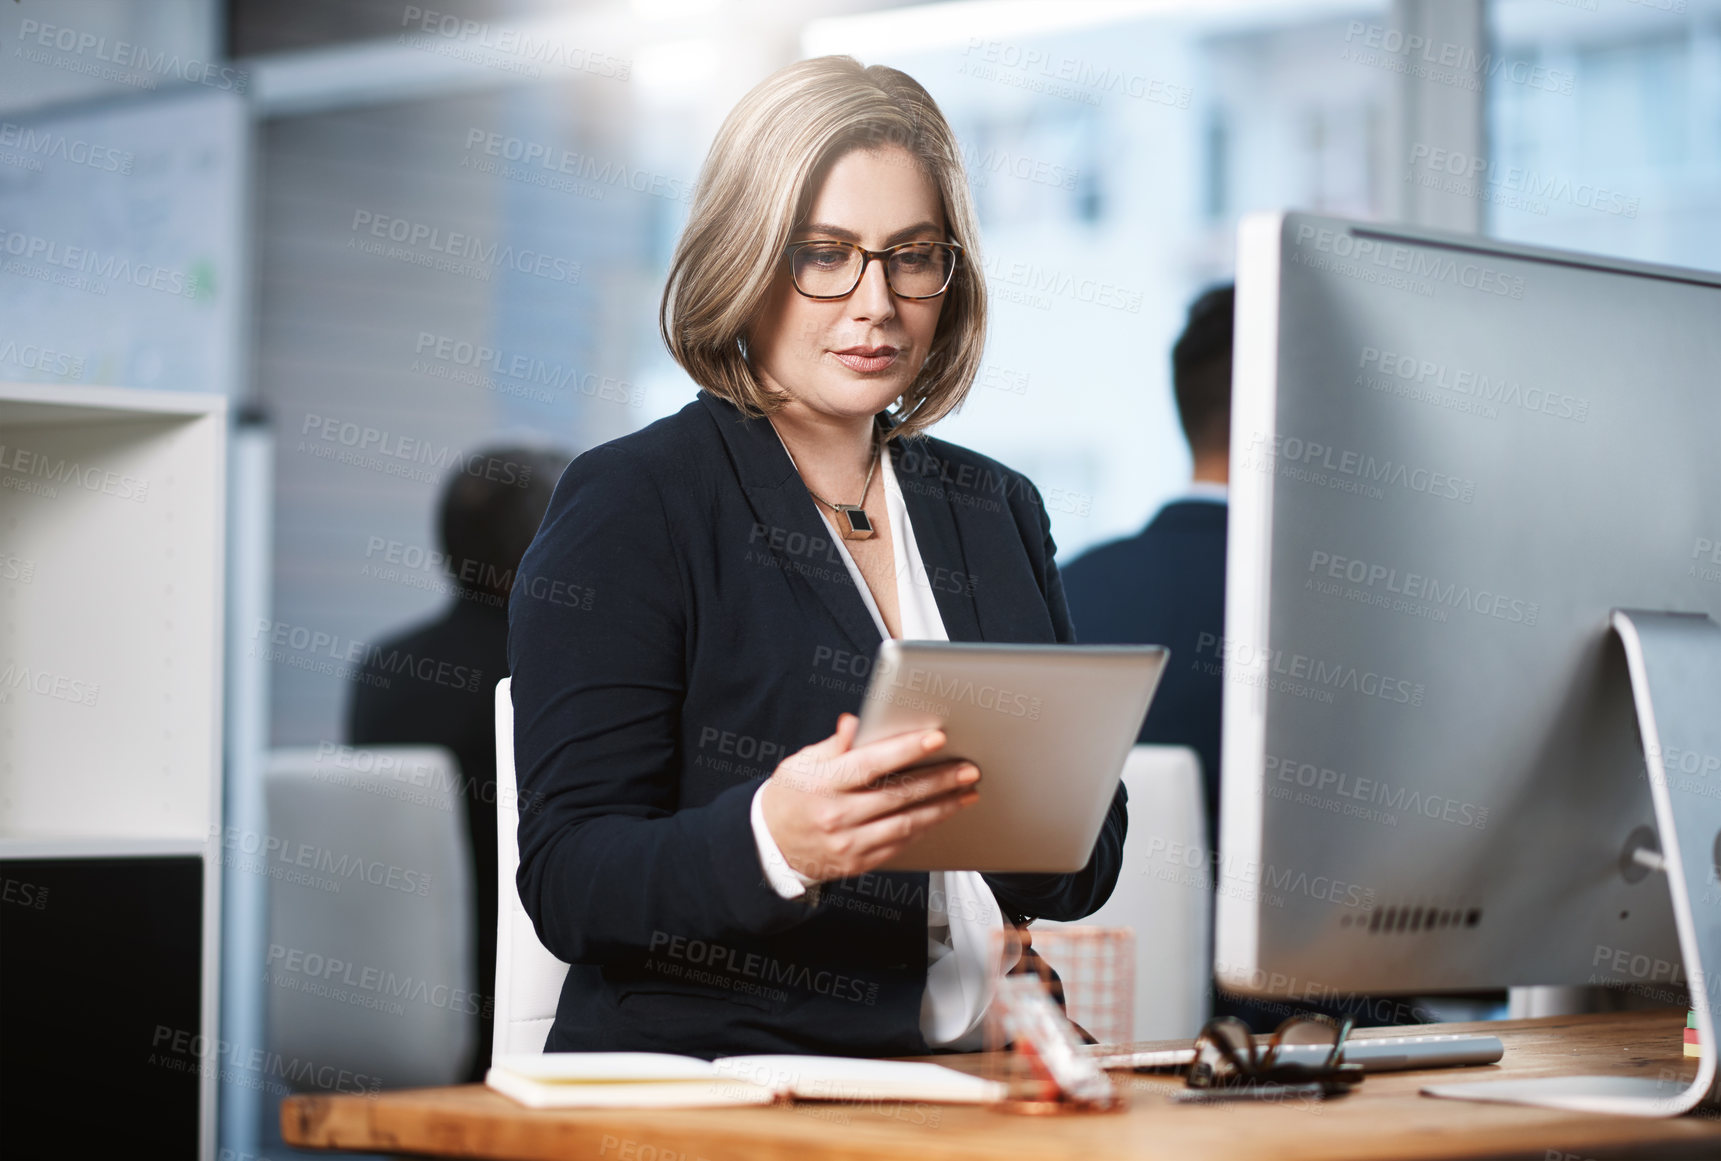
[[852, 357]]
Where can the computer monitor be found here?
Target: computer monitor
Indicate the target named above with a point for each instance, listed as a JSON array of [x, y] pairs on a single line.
[[1452, 459]]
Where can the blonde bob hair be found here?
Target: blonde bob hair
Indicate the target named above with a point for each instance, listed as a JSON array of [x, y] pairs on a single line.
[[757, 185]]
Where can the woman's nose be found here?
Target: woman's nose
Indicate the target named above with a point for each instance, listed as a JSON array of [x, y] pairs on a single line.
[[873, 299]]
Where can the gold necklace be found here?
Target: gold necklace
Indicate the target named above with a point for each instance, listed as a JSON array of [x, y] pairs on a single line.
[[852, 519]]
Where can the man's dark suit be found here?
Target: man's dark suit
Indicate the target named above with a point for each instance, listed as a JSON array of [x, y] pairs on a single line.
[[680, 625], [1165, 586]]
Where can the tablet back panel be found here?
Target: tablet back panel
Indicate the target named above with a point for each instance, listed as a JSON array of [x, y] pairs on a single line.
[[1048, 725]]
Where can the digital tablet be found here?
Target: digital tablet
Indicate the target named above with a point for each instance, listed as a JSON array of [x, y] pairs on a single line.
[[1049, 726]]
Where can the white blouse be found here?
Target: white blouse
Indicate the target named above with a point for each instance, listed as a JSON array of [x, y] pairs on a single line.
[[961, 912]]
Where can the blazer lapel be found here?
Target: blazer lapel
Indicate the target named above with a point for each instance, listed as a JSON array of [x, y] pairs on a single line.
[[788, 521]]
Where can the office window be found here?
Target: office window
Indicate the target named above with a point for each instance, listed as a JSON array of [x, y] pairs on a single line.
[[1623, 156], [1035, 164], [1133, 148], [1217, 169]]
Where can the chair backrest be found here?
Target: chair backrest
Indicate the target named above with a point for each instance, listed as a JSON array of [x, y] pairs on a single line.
[[528, 977], [1163, 893], [369, 967]]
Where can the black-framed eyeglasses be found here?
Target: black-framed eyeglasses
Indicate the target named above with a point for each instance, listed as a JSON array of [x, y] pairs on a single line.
[[1304, 1049], [822, 268]]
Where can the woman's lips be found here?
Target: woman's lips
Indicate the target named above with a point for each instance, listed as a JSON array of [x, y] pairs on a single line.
[[866, 364]]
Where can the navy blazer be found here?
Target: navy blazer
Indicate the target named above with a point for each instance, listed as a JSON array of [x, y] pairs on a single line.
[[681, 623], [1166, 586]]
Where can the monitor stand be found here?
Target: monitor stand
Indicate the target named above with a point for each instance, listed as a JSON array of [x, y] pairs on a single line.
[[1675, 665]]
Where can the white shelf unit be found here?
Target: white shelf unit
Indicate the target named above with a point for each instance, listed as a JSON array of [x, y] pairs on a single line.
[[112, 505]]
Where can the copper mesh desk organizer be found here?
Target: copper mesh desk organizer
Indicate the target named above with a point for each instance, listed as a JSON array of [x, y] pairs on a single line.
[[1071, 987]]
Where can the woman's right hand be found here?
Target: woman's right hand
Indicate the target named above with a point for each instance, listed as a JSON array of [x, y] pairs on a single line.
[[834, 813]]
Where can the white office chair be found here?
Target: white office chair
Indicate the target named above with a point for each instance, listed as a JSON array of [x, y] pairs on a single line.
[[528, 977], [1165, 900], [370, 912]]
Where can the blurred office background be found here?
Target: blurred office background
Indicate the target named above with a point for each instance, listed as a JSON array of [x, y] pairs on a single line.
[[395, 234]]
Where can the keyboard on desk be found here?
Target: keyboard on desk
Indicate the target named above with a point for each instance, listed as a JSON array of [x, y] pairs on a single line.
[[1375, 1053]]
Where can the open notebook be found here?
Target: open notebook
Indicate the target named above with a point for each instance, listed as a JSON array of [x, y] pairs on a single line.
[[663, 1080]]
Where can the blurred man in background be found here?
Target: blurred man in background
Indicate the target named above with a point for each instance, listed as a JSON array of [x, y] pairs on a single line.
[[1166, 584], [490, 510]]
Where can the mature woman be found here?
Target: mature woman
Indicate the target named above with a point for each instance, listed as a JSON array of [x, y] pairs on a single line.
[[704, 598]]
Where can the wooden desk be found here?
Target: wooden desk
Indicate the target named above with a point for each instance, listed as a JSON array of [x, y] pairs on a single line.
[[1385, 1118]]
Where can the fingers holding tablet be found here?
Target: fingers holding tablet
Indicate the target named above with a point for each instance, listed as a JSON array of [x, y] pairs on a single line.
[[888, 834], [836, 810]]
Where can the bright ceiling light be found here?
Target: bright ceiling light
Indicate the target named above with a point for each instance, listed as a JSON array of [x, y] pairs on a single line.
[[660, 11]]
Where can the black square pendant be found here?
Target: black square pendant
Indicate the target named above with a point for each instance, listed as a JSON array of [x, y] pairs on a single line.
[[856, 524]]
